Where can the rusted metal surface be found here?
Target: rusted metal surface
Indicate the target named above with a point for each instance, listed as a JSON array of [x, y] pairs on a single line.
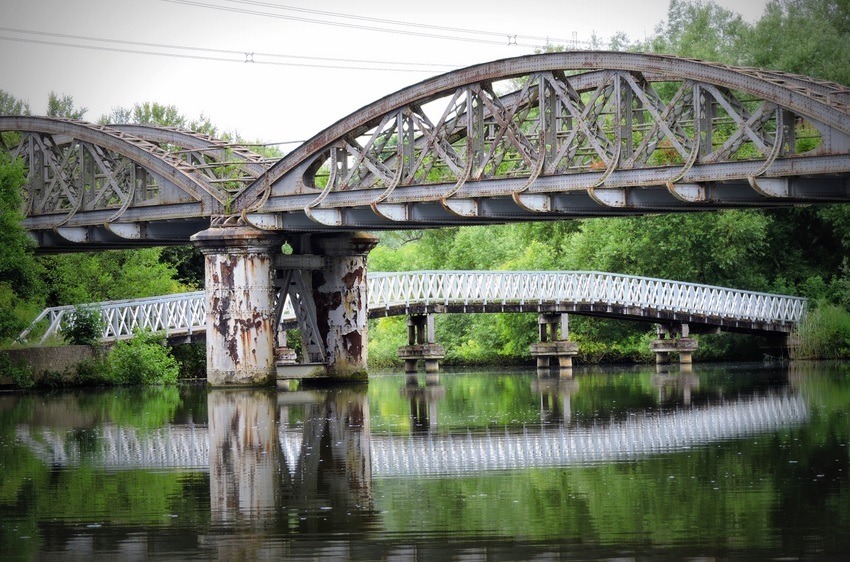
[[240, 305], [340, 294], [594, 117]]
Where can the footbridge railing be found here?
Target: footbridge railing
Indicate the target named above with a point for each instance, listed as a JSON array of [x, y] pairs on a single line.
[[581, 292]]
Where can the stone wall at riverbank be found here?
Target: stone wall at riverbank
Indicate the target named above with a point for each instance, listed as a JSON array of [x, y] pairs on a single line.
[[59, 359]]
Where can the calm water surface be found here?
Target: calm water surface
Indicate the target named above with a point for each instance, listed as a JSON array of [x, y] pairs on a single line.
[[731, 462]]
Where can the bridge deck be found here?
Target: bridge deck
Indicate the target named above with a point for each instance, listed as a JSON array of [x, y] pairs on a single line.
[[589, 293]]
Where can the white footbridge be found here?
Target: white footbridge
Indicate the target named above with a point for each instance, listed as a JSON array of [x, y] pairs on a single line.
[[419, 292]]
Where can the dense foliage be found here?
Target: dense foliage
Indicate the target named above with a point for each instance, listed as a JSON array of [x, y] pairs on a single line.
[[19, 278], [142, 360]]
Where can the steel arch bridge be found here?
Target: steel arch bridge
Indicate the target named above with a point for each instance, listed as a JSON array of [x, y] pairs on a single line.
[[538, 137]]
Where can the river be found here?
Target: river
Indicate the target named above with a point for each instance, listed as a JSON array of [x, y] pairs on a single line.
[[742, 461]]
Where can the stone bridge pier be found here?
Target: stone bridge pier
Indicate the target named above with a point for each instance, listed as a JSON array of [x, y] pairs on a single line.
[[247, 279], [673, 339], [421, 344], [554, 343]]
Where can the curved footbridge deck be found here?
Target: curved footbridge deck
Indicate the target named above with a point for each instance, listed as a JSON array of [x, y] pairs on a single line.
[[678, 308]]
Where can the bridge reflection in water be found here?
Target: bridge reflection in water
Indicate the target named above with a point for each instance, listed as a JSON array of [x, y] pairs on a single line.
[[315, 449]]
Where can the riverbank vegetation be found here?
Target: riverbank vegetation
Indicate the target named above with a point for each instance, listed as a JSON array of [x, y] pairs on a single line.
[[800, 250], [141, 360]]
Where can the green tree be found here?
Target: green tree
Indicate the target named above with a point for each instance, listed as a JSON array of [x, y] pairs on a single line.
[[108, 275], [63, 106], [161, 115], [702, 248], [810, 37], [146, 113], [19, 274], [10, 105], [701, 29]]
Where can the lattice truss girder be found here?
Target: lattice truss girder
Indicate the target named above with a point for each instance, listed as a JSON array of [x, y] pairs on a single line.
[[66, 176], [547, 127], [294, 295], [227, 166], [76, 167]]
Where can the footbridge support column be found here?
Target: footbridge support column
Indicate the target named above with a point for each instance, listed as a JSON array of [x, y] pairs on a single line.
[[239, 304], [421, 345], [679, 341], [554, 342]]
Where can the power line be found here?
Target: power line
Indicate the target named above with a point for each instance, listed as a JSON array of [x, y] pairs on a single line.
[[395, 22], [509, 39], [244, 56]]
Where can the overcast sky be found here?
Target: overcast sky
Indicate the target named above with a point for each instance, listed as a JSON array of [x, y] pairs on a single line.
[[193, 53]]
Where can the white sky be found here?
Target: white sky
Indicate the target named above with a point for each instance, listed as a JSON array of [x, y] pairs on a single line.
[[277, 102]]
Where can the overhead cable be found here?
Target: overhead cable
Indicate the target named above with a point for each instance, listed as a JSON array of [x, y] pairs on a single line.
[[417, 25], [509, 38], [236, 56]]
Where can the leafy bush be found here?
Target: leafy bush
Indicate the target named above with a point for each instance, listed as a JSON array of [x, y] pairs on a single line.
[[93, 372], [386, 335], [143, 360], [21, 375], [83, 327]]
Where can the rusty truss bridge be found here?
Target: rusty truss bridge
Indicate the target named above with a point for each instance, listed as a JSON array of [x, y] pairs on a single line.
[[542, 137], [548, 136]]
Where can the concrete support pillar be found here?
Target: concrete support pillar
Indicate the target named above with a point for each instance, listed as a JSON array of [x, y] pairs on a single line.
[[421, 345], [240, 304], [683, 345], [339, 291], [554, 344]]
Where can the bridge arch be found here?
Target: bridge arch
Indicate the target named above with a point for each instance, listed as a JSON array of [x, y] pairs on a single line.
[[90, 183], [576, 133], [201, 150]]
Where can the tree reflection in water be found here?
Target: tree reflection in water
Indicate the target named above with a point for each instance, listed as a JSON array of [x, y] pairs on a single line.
[[744, 460]]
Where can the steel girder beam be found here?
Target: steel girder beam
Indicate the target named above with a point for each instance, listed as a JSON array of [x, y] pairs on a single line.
[[127, 179], [64, 132], [123, 186]]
